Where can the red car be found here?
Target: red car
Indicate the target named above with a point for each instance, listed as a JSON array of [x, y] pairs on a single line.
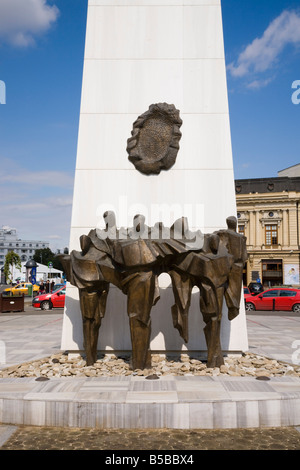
[[248, 294], [279, 298], [49, 301]]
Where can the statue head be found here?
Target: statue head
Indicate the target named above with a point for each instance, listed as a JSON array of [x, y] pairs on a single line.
[[110, 219], [139, 223], [231, 223]]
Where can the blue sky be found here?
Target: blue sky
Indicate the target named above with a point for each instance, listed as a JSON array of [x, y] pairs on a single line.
[[41, 59]]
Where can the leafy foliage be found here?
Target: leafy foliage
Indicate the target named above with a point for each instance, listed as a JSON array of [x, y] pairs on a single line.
[[12, 260], [45, 256]]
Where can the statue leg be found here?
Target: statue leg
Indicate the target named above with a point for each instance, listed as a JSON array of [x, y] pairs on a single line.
[[182, 289], [140, 297], [92, 305], [212, 336], [212, 329], [234, 290], [140, 339]]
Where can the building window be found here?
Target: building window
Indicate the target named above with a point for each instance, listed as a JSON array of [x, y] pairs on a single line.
[[242, 229], [271, 235]]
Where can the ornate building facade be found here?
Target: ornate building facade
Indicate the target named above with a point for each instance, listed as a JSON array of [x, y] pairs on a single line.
[[269, 216]]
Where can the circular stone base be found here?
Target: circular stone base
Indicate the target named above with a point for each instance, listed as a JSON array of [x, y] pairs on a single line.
[[154, 399]]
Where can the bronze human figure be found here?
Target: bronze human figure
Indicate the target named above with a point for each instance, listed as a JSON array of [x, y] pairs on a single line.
[[138, 260], [82, 271], [217, 271]]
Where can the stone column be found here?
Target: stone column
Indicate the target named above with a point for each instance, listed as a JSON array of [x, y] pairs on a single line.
[[293, 231], [258, 237], [137, 53], [251, 228], [285, 229]]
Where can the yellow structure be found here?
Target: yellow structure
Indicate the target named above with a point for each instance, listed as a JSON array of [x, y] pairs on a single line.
[[269, 216]]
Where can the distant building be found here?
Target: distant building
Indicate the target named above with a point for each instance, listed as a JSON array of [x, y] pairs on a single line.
[[291, 171], [9, 241], [269, 216]]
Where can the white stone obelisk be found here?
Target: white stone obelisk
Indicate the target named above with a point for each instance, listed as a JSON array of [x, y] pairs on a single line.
[[137, 53]]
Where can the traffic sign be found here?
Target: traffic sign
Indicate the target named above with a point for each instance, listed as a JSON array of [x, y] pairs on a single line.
[[50, 265]]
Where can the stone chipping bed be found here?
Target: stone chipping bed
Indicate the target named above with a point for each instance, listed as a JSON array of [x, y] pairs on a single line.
[[109, 365]]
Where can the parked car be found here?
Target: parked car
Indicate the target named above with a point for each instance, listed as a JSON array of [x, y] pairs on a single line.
[[255, 287], [279, 298], [247, 293], [22, 288], [49, 301], [58, 286]]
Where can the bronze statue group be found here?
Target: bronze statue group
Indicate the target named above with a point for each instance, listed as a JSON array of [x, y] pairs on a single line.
[[132, 259]]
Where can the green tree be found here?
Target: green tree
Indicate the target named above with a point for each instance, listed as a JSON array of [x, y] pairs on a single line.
[[57, 264], [12, 260], [43, 256]]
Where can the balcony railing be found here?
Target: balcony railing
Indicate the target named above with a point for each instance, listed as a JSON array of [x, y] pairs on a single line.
[[270, 247], [272, 274]]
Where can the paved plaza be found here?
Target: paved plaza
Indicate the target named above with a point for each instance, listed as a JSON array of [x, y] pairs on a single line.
[[33, 335], [183, 441]]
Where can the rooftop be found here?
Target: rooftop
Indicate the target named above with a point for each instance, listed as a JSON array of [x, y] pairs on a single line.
[[267, 185]]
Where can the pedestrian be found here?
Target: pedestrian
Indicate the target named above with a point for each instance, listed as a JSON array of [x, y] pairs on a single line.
[[52, 285], [47, 287], [42, 287]]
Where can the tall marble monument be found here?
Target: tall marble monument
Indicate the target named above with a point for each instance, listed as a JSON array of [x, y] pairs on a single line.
[[139, 53]]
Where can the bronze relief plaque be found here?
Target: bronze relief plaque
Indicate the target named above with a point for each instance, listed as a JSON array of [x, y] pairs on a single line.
[[155, 139]]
